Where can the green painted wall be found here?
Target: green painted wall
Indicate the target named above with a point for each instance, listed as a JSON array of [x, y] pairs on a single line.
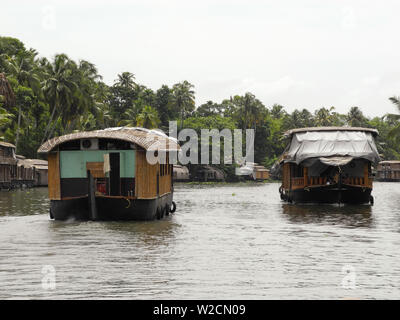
[[73, 163]]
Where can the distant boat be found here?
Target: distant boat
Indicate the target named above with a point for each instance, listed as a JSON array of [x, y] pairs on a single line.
[[329, 165], [209, 173], [105, 175], [180, 173], [253, 171]]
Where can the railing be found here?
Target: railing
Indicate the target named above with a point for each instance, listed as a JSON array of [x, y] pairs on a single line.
[[355, 181], [296, 182], [316, 181], [358, 181], [321, 181]]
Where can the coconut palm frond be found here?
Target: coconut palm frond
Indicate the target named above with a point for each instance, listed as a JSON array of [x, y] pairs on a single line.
[[6, 91]]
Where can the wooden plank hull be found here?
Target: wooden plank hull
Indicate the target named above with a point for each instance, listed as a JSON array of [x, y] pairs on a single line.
[[329, 194], [110, 208]]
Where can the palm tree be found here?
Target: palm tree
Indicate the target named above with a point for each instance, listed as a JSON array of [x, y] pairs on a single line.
[[249, 111], [7, 98], [6, 91], [25, 70], [396, 102], [5, 117], [355, 117], [59, 89], [126, 80], [148, 118], [324, 117], [86, 77], [183, 99], [395, 132]]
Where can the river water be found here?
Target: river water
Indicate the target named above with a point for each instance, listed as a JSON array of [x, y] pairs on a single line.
[[228, 241]]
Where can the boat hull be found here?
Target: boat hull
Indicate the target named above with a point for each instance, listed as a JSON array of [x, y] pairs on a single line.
[[330, 194], [111, 208]]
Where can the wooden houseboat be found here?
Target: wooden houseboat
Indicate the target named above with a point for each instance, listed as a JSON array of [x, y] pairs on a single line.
[[260, 173], [40, 171], [208, 173], [16, 171], [388, 171], [105, 175], [180, 173], [8, 165], [328, 165]]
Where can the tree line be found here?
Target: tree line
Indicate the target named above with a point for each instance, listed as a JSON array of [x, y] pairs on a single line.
[[41, 98]]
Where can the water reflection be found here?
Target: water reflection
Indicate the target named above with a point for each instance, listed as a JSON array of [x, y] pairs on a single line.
[[348, 216], [139, 233], [24, 202]]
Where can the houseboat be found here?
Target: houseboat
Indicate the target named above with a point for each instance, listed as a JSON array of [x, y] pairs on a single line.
[[8, 165], [106, 175], [180, 173], [329, 165], [253, 171], [16, 171], [388, 171], [208, 173]]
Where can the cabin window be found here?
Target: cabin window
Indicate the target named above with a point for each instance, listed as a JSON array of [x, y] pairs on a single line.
[[71, 145], [114, 144]]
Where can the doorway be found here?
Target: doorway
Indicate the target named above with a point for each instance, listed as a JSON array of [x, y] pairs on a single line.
[[115, 181]]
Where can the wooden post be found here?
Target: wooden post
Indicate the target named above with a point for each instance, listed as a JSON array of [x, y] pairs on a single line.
[[305, 176], [92, 197]]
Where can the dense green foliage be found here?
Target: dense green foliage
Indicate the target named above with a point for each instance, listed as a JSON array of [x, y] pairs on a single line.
[[41, 98]]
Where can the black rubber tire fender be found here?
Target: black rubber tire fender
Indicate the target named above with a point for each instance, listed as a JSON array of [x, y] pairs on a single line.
[[173, 208]]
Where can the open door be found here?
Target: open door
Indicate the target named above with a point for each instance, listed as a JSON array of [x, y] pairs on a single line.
[[115, 179]]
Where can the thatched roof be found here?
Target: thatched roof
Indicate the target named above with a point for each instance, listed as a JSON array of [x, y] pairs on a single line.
[[293, 131], [389, 162], [36, 162], [145, 138], [6, 144]]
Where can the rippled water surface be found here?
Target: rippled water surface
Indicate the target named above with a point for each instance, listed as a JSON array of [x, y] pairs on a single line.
[[235, 241]]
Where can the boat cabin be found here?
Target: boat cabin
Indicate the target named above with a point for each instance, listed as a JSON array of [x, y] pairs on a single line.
[[328, 165], [105, 174]]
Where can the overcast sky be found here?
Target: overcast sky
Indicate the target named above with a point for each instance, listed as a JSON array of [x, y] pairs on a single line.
[[301, 54]]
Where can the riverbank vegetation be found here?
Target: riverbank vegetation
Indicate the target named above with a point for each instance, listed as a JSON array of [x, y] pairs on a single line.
[[41, 98]]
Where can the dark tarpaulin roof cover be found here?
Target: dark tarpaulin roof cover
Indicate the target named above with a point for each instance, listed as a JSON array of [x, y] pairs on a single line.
[[324, 144]]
